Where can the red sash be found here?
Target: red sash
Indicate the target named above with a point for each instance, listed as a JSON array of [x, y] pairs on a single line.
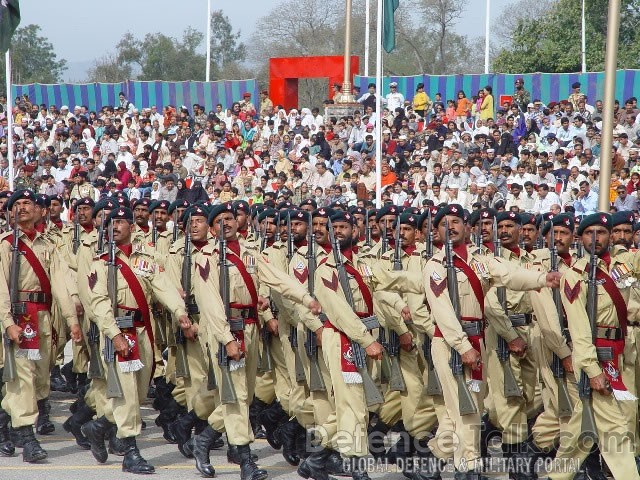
[[364, 289], [246, 276], [476, 286], [616, 298], [138, 295], [38, 269]]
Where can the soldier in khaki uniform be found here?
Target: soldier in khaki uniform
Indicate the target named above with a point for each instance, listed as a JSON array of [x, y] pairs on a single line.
[[476, 273], [138, 279], [82, 188], [240, 344], [40, 281], [609, 394]]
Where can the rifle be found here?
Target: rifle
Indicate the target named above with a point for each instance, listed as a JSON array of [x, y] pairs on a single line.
[[316, 382], [367, 230], [211, 374], [264, 360], [384, 240], [182, 362], [101, 234], [578, 248], [154, 232], [477, 238], [75, 243], [434, 387], [289, 239], [511, 388], [565, 408], [95, 365], [584, 386], [114, 388], [371, 392], [17, 308], [466, 405], [227, 390], [396, 380], [176, 228]]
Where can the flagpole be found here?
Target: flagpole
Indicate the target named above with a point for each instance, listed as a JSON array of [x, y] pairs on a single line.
[[367, 14], [208, 69], [584, 41], [9, 117], [379, 105], [486, 39]]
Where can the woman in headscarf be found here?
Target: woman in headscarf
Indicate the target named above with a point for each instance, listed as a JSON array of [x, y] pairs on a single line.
[[293, 114], [307, 118], [325, 148], [123, 175], [287, 144], [181, 186], [400, 116], [505, 145], [476, 176], [88, 140], [110, 170], [275, 145], [197, 193], [283, 165]]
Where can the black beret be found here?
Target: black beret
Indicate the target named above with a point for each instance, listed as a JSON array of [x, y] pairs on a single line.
[[622, 218], [194, 211], [106, 203], [161, 204], [23, 194], [323, 212], [6, 194], [357, 211], [300, 215], [487, 213], [387, 210], [256, 209], [560, 220], [309, 201], [423, 218], [144, 202], [267, 213], [636, 226], [409, 218], [451, 209], [84, 201], [372, 212], [181, 203], [284, 205], [241, 205], [341, 216], [528, 219], [120, 213], [601, 219], [42, 200], [513, 216], [57, 198], [473, 218], [218, 209]]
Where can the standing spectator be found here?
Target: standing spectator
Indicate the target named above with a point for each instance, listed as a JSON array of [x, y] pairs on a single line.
[[486, 107], [463, 108], [421, 101], [394, 99], [521, 97]]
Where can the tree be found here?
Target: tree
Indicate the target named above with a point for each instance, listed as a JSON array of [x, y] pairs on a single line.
[[109, 69], [33, 59], [225, 45], [443, 15], [551, 41]]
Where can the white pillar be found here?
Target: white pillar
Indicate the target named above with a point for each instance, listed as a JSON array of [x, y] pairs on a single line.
[[9, 117], [379, 106], [486, 37], [208, 69], [584, 41], [367, 14]]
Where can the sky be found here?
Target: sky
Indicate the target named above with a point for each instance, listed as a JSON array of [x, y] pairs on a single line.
[[81, 32]]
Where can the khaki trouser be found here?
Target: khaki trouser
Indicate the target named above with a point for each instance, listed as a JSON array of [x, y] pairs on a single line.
[[126, 410], [233, 418], [298, 395], [345, 430], [614, 439], [32, 379], [280, 373], [511, 413], [320, 403], [631, 374], [458, 436]]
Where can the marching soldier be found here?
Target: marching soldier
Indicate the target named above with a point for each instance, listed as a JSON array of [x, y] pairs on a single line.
[[138, 278], [598, 351], [461, 333], [31, 265]]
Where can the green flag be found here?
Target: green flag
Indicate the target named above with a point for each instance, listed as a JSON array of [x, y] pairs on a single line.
[[388, 26], [9, 20]]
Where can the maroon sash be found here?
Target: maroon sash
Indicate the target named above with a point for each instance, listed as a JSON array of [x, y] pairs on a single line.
[[616, 298], [364, 289]]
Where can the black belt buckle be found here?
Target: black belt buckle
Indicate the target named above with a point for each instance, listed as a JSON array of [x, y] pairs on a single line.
[[19, 308], [125, 321], [371, 322], [236, 324], [609, 333], [472, 329], [605, 354]]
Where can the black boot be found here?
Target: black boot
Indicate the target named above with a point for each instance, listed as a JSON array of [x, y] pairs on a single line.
[[359, 471], [315, 465], [522, 455], [248, 468], [487, 431], [58, 383], [289, 432], [233, 456], [74, 423], [134, 462], [201, 446], [32, 451], [181, 428], [83, 382], [271, 418], [428, 468], [256, 407], [162, 392], [168, 414], [116, 445], [403, 448], [335, 465], [7, 448], [70, 376], [591, 467], [15, 437], [376, 439], [96, 431], [44, 426]]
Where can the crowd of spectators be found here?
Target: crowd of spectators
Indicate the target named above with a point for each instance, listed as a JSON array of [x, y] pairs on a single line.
[[526, 155]]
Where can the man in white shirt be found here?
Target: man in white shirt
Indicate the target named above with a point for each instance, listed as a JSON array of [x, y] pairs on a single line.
[[565, 133], [394, 99], [399, 196], [124, 156], [367, 177], [437, 197], [546, 199], [324, 178], [63, 171]]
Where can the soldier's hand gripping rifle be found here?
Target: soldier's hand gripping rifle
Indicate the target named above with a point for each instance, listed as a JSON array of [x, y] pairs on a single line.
[[466, 404], [511, 388], [565, 408], [75, 243], [17, 308], [434, 387], [584, 385], [182, 362], [396, 380], [264, 360], [114, 388], [316, 382], [227, 390], [371, 392], [96, 369]]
